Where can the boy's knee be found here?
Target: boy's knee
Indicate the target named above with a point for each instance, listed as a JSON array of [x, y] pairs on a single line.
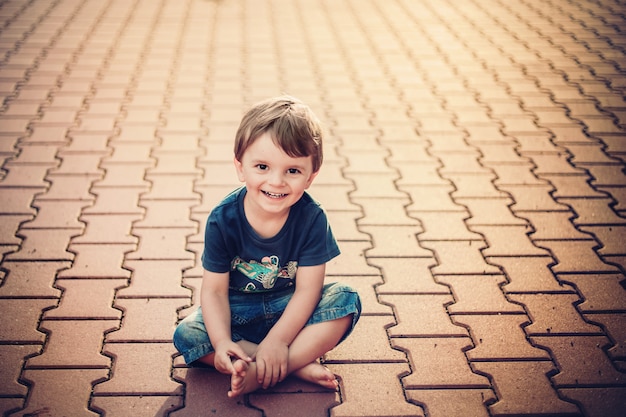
[[180, 335], [188, 333], [344, 294]]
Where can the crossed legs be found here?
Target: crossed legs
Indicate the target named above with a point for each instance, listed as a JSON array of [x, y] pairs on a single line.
[[310, 344]]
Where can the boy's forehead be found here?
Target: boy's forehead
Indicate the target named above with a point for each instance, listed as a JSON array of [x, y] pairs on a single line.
[[265, 146]]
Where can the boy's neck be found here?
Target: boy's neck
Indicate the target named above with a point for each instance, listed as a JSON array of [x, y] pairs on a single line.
[[265, 224]]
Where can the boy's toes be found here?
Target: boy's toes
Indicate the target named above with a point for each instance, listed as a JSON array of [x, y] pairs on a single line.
[[240, 366]]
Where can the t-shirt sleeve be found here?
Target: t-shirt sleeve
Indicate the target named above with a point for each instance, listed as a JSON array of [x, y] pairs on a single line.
[[320, 245], [215, 256]]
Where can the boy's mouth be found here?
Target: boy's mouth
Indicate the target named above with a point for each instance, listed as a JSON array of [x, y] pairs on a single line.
[[273, 195]]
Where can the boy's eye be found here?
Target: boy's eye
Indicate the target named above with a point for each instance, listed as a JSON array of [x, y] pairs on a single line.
[[293, 171], [262, 167]]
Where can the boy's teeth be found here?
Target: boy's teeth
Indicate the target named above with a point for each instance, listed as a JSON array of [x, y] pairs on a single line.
[[273, 195]]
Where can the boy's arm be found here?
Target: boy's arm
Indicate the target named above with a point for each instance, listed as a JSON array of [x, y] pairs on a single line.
[[272, 354], [216, 316]]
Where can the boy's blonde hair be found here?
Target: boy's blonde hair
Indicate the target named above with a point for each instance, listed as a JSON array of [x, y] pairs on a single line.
[[291, 124]]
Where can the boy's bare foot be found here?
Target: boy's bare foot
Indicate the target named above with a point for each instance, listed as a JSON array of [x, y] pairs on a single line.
[[318, 374], [244, 380]]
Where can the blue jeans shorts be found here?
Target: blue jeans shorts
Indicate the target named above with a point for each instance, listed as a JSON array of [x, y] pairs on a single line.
[[253, 315]]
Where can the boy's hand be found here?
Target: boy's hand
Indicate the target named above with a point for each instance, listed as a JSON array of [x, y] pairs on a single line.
[[224, 353], [271, 362]]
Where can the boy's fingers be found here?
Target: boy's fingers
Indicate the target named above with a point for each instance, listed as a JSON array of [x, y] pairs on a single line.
[[283, 373], [238, 352], [260, 371]]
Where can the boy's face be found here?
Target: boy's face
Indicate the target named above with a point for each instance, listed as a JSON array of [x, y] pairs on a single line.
[[274, 180]]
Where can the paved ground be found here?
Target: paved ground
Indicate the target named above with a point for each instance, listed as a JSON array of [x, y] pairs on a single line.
[[474, 177]]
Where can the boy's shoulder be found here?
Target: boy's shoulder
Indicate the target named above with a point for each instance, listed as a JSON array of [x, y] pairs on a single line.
[[307, 202], [230, 201]]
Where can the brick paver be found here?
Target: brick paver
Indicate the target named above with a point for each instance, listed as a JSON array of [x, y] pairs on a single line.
[[474, 177]]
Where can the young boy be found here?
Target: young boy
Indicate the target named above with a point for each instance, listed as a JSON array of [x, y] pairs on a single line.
[[265, 310]]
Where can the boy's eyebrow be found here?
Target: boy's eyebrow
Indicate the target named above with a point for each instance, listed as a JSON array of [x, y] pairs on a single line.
[[263, 161]]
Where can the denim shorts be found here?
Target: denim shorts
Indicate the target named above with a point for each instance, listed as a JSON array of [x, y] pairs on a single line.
[[253, 315]]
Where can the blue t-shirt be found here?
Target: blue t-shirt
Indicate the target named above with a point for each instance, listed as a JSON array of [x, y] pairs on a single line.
[[258, 264]]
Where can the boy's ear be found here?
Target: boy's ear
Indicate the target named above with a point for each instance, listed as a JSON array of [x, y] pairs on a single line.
[[311, 178], [239, 168]]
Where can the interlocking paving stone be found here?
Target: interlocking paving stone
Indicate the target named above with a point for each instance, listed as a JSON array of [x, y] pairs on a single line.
[[357, 264], [523, 388], [295, 403], [160, 278], [86, 299], [364, 345], [65, 350], [445, 403], [20, 320], [514, 174], [581, 360], [572, 186], [359, 398], [460, 257], [160, 243], [598, 402], [112, 228], [447, 367], [31, 279], [129, 359], [206, 392], [13, 357], [115, 200], [57, 215], [72, 385], [424, 173], [397, 241], [478, 294], [81, 164], [533, 198], [28, 176], [499, 337], [332, 197], [45, 245], [613, 325], [374, 185], [429, 197], [596, 211], [68, 187], [146, 319], [18, 200], [397, 280], [531, 274], [123, 175], [9, 228], [542, 309], [422, 315], [490, 211], [152, 405], [344, 225], [447, 225], [576, 256], [601, 292], [98, 261], [379, 211], [553, 225]]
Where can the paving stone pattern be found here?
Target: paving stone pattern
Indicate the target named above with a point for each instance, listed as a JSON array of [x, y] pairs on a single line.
[[474, 175]]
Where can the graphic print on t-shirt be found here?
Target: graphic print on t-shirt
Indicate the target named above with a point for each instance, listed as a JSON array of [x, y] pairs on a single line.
[[265, 272]]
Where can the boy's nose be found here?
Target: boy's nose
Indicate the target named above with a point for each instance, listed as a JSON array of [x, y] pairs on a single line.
[[277, 178]]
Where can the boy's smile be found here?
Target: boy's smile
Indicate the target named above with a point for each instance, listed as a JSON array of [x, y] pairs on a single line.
[[274, 180]]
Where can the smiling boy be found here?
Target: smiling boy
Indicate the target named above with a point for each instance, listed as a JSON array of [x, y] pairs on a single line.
[[265, 310]]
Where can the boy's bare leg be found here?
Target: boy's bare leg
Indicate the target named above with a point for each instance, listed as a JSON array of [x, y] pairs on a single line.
[[311, 343]]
